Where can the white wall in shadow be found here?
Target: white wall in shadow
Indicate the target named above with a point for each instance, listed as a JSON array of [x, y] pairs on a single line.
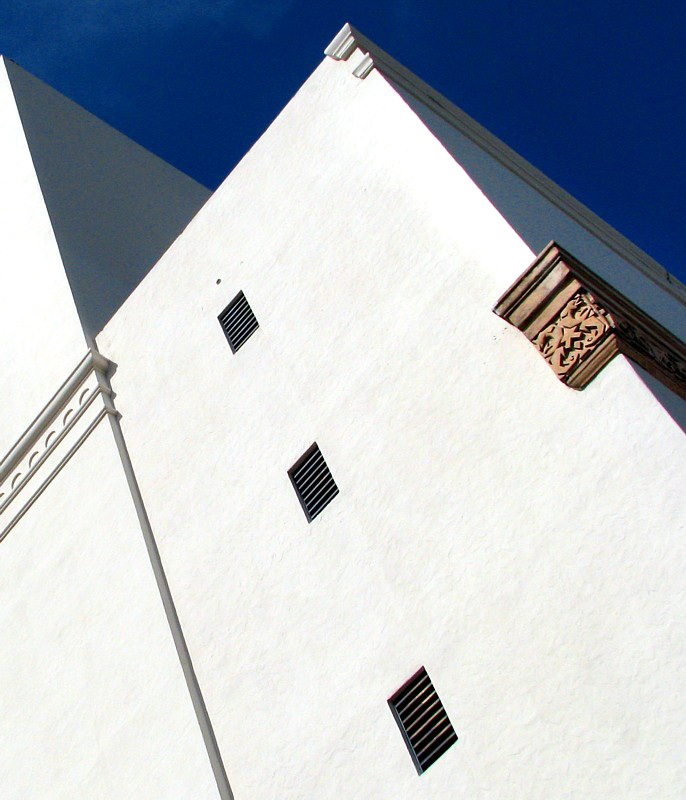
[[674, 405], [537, 220], [114, 206]]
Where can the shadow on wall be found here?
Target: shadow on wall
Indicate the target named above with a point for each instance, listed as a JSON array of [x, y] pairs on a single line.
[[671, 402], [114, 207], [537, 220]]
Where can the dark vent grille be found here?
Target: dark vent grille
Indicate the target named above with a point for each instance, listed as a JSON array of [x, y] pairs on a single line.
[[238, 321], [422, 720], [313, 482]]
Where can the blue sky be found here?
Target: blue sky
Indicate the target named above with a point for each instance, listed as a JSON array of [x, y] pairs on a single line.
[[591, 93]]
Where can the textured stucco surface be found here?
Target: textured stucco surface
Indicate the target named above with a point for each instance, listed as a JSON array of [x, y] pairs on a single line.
[[93, 703], [523, 541]]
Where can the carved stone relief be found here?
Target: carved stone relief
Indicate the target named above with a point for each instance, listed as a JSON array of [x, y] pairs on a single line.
[[574, 334], [579, 323]]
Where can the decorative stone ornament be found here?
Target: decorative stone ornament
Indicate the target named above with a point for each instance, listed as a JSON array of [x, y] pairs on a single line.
[[579, 341], [578, 323]]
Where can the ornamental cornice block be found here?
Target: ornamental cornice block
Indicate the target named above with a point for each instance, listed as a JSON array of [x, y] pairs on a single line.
[[578, 323]]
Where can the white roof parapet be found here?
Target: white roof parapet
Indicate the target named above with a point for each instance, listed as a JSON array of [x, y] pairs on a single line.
[[349, 39]]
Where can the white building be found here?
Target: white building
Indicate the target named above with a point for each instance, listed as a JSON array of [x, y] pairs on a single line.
[[172, 626]]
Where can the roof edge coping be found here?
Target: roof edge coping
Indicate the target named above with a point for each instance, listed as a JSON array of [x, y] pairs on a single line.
[[348, 39]]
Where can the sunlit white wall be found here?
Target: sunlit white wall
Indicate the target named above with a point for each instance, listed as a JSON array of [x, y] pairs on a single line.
[[523, 541]]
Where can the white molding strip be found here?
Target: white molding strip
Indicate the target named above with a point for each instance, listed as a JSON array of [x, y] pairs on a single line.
[[348, 40], [53, 437], [343, 43], [202, 715]]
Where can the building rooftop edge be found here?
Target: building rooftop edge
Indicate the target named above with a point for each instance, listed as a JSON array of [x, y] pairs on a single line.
[[349, 38]]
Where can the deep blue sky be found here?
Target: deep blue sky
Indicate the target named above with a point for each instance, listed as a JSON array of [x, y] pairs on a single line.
[[592, 93]]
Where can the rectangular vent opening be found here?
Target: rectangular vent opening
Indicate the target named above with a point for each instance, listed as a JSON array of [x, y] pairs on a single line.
[[313, 482], [238, 322], [422, 720]]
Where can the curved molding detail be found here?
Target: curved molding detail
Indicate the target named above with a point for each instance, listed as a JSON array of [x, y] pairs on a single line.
[[343, 44], [578, 323], [365, 66], [53, 437]]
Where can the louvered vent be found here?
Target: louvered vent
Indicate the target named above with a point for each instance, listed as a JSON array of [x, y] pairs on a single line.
[[313, 482], [238, 321], [422, 720]]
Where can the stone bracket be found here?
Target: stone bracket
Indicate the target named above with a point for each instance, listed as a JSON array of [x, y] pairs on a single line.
[[578, 323]]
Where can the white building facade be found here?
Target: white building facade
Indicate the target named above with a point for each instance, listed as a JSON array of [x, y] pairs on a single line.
[[502, 501]]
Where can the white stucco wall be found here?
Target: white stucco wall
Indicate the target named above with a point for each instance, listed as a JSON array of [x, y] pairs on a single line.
[[93, 703], [93, 700], [523, 541], [40, 335]]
